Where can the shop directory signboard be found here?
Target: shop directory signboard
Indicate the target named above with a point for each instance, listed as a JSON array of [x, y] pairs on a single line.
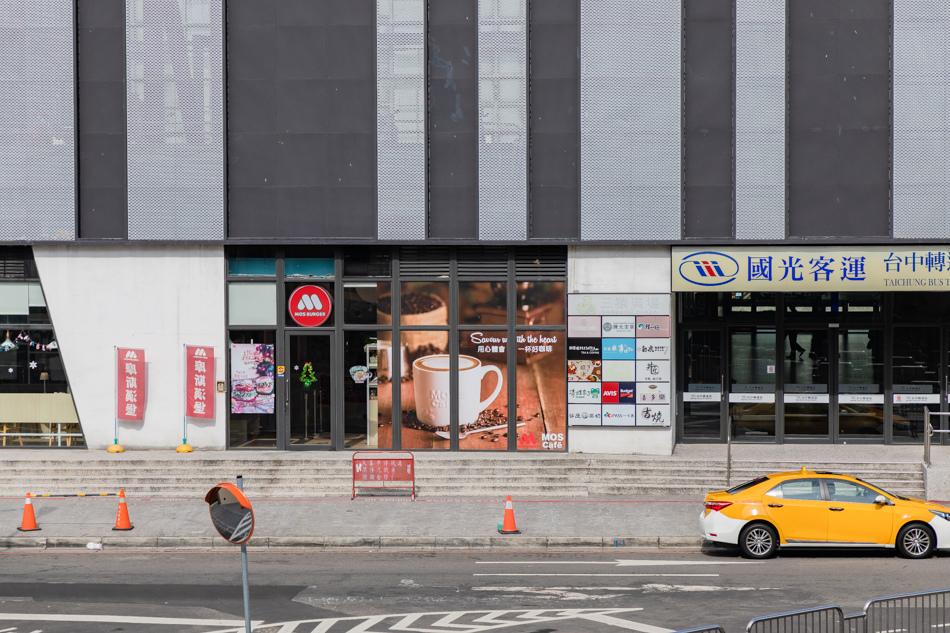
[[618, 360]]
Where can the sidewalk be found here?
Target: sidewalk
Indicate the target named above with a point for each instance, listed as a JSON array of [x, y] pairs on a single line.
[[366, 523]]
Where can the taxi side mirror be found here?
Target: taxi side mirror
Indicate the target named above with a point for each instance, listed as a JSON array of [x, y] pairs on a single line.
[[881, 500]]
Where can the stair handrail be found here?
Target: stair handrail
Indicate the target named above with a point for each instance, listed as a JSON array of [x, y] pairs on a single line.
[[929, 430]]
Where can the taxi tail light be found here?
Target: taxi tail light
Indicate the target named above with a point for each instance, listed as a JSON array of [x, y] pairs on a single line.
[[716, 506]]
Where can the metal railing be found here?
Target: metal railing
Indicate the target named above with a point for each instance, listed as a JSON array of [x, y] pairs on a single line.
[[712, 628], [826, 619], [922, 612], [929, 430], [854, 623]]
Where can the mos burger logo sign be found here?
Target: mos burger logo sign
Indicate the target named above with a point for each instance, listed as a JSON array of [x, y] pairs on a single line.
[[310, 306]]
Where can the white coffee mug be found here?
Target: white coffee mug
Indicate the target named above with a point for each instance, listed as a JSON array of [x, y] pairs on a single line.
[[430, 378]]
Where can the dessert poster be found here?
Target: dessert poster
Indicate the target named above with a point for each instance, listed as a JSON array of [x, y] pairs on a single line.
[[252, 378]]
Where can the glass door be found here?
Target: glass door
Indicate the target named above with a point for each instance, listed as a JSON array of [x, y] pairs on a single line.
[[807, 382], [860, 384], [917, 380], [702, 385], [752, 364], [308, 390]]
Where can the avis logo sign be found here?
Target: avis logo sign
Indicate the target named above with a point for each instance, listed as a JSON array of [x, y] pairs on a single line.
[[708, 268]]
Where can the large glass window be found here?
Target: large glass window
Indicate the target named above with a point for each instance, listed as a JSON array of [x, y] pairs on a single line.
[[36, 407], [368, 396], [401, 340], [252, 304], [361, 301], [426, 392]]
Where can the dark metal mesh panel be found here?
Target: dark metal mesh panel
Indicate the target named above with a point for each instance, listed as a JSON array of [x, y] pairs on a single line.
[[427, 261], [37, 114], [477, 262], [921, 119], [175, 111], [502, 121], [540, 261], [400, 119], [630, 119], [760, 119]]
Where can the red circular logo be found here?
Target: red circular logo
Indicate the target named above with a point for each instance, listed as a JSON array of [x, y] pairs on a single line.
[[310, 306]]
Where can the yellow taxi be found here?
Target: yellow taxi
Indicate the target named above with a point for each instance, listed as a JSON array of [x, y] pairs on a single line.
[[821, 509]]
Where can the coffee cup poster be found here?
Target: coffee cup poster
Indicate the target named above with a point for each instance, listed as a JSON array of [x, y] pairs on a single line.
[[484, 374], [252, 378]]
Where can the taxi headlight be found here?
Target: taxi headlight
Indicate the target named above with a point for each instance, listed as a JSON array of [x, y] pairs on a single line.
[[943, 515]]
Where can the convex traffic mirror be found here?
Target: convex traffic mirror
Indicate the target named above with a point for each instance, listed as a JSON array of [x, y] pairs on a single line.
[[231, 513]]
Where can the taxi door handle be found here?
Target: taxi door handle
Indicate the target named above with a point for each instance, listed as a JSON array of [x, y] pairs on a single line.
[[836, 509], [775, 505]]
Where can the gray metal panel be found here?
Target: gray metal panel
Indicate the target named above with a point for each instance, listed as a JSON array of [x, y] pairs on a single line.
[[921, 119], [630, 120], [400, 119], [760, 119], [502, 121], [37, 120], [175, 114]]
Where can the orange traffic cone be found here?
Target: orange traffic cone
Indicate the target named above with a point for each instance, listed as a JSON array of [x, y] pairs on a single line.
[[29, 519], [508, 527], [122, 521]]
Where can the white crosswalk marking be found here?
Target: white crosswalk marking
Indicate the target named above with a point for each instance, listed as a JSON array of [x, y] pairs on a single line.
[[456, 621]]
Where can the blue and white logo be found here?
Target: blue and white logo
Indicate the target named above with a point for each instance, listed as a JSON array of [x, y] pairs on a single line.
[[708, 268]]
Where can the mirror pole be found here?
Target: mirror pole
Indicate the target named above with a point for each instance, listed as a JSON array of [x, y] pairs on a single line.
[[247, 598]]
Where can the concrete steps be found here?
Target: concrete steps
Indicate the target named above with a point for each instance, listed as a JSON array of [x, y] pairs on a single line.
[[328, 474]]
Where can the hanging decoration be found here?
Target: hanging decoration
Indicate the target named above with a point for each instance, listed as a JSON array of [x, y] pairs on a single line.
[[307, 377], [24, 339]]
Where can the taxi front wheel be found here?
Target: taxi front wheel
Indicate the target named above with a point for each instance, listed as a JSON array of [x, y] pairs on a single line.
[[915, 540], [758, 540]]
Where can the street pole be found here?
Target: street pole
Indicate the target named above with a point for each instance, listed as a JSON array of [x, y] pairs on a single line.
[[247, 597]]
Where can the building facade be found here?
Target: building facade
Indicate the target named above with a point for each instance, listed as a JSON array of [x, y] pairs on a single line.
[[523, 225]]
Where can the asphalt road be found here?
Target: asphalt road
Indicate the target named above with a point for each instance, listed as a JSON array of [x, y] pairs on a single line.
[[304, 592]]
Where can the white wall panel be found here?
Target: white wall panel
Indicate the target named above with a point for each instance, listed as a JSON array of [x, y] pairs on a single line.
[[760, 119], [630, 119], [152, 297]]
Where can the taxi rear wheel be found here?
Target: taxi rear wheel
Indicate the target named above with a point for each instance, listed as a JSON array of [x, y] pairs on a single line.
[[758, 540], [915, 540]]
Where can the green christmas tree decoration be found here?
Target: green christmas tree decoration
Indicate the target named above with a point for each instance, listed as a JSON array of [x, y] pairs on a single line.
[[307, 376]]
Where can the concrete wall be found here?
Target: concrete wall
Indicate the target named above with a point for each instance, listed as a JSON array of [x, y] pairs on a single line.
[[156, 298], [622, 269]]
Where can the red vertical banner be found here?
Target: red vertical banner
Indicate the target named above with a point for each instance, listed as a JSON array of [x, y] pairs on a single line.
[[199, 380], [130, 387]]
